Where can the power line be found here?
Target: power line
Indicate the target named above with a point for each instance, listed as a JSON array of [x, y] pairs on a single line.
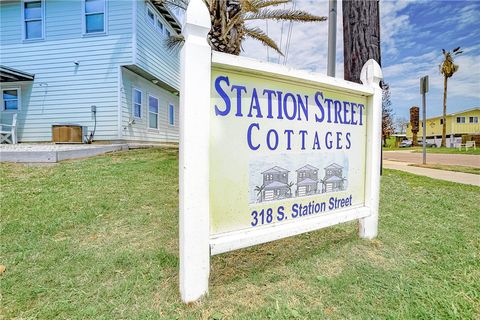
[[289, 36], [281, 38], [268, 51]]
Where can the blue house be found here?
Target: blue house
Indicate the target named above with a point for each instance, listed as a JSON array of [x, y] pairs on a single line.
[[87, 62]]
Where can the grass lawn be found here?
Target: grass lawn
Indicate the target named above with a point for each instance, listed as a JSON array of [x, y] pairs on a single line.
[[463, 169], [437, 150], [98, 239], [448, 150]]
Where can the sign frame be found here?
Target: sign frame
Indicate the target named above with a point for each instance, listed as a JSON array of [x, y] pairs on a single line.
[[196, 243]]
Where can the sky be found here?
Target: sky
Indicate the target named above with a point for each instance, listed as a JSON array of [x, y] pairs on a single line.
[[412, 34]]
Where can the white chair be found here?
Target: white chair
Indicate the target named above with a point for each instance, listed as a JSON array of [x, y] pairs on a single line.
[[9, 136]]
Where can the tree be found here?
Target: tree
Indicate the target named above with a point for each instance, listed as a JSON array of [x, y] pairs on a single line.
[[361, 36], [447, 68], [230, 21], [401, 124], [259, 190], [387, 114]]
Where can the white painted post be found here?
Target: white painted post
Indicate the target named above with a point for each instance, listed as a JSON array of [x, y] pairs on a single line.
[[194, 149], [371, 75]]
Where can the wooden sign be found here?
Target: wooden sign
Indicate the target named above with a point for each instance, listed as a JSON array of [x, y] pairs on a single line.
[[268, 152]]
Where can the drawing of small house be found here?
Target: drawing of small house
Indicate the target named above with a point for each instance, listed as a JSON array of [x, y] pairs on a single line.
[[307, 180], [333, 180], [275, 184]]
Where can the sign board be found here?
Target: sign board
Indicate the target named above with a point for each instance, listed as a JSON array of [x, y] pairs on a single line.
[[423, 84], [268, 152], [282, 150]]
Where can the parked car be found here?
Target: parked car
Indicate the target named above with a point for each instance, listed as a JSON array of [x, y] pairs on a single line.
[[405, 144], [427, 144]]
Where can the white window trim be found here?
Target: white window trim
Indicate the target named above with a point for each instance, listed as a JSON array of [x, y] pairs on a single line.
[[460, 122], [157, 16], [158, 113], [105, 21], [473, 118], [149, 8], [173, 110], [157, 20], [24, 28], [134, 103], [19, 90]]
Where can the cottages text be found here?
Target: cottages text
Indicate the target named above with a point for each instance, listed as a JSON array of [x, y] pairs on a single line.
[[288, 106]]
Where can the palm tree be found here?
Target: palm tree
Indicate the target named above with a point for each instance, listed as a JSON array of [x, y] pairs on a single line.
[[259, 190], [289, 186], [447, 68], [230, 21]]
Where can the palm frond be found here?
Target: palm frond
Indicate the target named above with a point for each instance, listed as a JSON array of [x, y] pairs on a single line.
[[256, 5], [257, 34], [456, 49], [182, 4], [284, 14], [237, 19], [174, 42]]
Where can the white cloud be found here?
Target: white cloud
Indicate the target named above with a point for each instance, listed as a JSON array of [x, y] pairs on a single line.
[[308, 42]]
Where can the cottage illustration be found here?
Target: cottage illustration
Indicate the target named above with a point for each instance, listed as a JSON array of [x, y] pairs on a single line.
[[275, 185], [333, 180], [307, 181]]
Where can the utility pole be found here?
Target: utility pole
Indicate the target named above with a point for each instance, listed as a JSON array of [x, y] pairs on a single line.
[[332, 37], [361, 36], [423, 92]]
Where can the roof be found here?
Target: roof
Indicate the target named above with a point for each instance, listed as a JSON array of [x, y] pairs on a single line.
[[334, 166], [455, 113], [276, 185], [8, 74], [307, 168], [168, 15], [334, 179], [276, 169], [307, 181]]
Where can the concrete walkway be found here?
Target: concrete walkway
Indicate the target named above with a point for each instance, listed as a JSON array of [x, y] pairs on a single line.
[[408, 156], [53, 153], [459, 177]]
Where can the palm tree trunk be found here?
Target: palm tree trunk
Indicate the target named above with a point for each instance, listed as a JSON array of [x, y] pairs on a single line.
[[361, 36], [444, 128]]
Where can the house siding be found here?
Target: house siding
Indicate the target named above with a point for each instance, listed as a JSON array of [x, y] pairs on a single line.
[[151, 54], [434, 127], [139, 130], [63, 91]]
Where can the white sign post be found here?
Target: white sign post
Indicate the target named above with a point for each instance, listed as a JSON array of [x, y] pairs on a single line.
[[194, 193], [268, 152]]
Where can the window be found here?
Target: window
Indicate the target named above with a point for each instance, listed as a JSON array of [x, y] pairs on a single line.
[[460, 119], [159, 25], [152, 112], [441, 121], [473, 119], [10, 99], [137, 103], [154, 19], [171, 115], [151, 16], [33, 19], [94, 16]]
